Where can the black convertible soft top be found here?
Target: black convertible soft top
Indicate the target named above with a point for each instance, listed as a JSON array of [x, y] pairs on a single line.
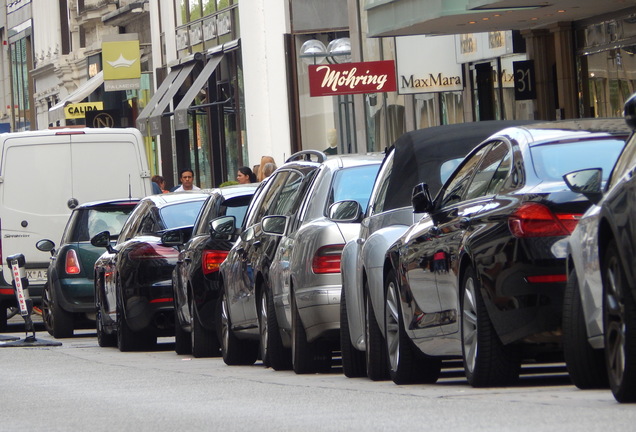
[[420, 153]]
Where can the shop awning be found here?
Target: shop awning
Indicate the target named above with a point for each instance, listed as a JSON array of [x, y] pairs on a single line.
[[56, 112], [151, 114], [181, 112]]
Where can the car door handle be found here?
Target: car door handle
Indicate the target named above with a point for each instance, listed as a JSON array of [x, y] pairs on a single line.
[[256, 244], [465, 223]]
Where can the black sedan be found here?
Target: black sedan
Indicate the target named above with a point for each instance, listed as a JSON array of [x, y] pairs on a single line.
[[481, 275], [195, 279], [133, 279]]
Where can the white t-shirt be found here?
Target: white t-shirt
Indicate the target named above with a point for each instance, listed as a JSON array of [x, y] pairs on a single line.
[[181, 189]]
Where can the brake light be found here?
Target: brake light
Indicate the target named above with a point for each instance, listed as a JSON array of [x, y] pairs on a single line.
[[548, 278], [71, 263], [211, 260], [147, 251], [537, 220], [327, 259]]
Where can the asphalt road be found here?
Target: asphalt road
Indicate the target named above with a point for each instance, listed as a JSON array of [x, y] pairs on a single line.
[[80, 386]]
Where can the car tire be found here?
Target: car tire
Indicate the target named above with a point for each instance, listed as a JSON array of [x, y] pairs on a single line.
[[619, 323], [273, 353], [129, 340], [353, 360], [104, 339], [375, 355], [585, 364], [58, 322], [406, 366], [235, 351], [487, 361], [307, 357], [182, 339], [203, 341]]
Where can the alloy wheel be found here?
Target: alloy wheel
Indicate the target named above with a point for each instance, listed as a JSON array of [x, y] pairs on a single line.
[[614, 321], [263, 327], [469, 324], [225, 330], [392, 324]]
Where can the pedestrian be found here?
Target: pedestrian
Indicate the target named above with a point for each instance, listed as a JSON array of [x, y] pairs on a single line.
[[268, 169], [159, 184], [261, 170], [245, 175], [186, 176]]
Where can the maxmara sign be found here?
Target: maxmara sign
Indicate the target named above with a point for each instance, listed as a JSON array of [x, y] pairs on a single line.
[[352, 78], [427, 64]]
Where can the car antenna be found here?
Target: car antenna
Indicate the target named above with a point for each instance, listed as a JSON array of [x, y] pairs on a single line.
[[129, 188]]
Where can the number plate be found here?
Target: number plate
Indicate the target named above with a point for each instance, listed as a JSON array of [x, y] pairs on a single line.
[[36, 276]]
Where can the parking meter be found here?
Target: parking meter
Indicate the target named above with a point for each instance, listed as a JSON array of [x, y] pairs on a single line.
[[21, 287]]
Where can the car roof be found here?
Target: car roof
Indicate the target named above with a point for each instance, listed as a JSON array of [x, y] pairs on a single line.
[[162, 200], [420, 153], [544, 132], [121, 201]]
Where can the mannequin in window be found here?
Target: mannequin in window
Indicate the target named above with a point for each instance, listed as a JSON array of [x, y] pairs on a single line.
[[332, 140]]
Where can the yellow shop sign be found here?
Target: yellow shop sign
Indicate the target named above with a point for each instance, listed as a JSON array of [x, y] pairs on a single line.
[[79, 110]]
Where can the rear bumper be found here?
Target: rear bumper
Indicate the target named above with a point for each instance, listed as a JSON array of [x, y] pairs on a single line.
[[319, 309]]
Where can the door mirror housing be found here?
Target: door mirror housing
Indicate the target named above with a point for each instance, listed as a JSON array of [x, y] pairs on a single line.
[[177, 236], [223, 227], [102, 239], [274, 225], [345, 211], [46, 245], [588, 182], [421, 199]]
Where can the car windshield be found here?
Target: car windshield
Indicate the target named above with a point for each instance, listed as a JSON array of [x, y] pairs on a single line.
[[354, 183], [180, 214], [96, 220], [552, 161]]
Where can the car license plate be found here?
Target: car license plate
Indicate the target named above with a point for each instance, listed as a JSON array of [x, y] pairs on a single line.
[[37, 276]]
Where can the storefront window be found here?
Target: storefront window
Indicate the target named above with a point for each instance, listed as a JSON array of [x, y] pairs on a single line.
[[612, 79]]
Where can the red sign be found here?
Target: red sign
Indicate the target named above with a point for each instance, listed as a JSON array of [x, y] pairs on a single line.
[[352, 78]]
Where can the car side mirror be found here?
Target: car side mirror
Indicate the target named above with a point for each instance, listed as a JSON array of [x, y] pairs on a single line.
[[588, 182], [421, 199], [274, 225], [102, 239], [46, 245], [345, 211], [173, 238], [223, 227]]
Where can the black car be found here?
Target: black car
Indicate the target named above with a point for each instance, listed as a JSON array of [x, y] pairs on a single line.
[[195, 279], [68, 296], [481, 276], [133, 278]]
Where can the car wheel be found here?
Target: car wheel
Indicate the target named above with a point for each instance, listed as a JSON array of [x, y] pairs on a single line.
[[307, 357], [235, 351], [406, 366], [375, 354], [182, 340], [619, 322], [104, 339], [353, 360], [273, 353], [585, 364], [129, 340], [204, 342], [487, 361], [57, 321]]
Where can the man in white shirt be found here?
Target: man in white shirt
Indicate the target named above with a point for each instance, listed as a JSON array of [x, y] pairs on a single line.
[[186, 176]]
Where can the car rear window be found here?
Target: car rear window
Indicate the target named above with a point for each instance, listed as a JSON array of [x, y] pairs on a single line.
[[95, 220], [354, 183], [181, 214], [552, 161]]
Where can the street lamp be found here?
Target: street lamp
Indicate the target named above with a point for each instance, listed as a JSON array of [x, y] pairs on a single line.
[[338, 51]]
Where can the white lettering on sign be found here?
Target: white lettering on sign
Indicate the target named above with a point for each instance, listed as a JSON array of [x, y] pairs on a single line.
[[336, 79]]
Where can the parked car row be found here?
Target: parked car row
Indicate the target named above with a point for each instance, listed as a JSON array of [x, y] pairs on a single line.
[[460, 242]]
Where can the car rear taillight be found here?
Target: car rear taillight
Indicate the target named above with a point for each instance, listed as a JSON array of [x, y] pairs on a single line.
[[211, 260], [537, 220], [71, 263], [149, 251], [327, 259]]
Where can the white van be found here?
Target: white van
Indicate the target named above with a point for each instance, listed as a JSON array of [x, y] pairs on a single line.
[[45, 174]]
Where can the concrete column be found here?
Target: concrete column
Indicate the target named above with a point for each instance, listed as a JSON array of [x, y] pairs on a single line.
[[540, 48], [565, 69]]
